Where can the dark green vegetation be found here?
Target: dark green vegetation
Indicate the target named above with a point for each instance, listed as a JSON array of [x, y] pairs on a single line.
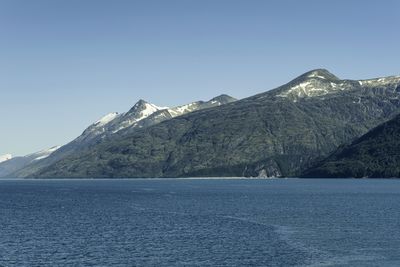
[[278, 133], [375, 154]]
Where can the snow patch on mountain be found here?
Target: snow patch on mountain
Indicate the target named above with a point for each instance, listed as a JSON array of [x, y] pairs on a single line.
[[106, 119], [180, 110], [148, 110], [315, 84], [14, 164], [316, 75], [140, 111], [395, 80], [216, 101], [5, 157], [312, 87], [43, 153]]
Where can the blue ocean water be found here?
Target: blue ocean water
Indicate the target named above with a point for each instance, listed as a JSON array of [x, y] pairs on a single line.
[[176, 222]]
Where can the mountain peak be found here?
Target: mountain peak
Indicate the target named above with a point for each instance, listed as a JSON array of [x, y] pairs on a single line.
[[140, 104], [223, 99], [319, 73], [141, 110], [144, 105], [316, 82]]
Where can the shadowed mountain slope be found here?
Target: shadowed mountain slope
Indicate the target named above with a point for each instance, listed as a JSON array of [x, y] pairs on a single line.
[[375, 154]]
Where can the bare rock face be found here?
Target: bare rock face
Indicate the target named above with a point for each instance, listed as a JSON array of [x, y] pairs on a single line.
[[264, 169], [269, 170]]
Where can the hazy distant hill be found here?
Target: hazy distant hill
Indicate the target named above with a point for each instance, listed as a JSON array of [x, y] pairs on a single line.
[[11, 165]]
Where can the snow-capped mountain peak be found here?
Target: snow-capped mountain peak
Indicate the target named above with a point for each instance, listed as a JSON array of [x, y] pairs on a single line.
[[141, 110], [144, 109], [321, 82], [320, 74], [313, 83], [5, 157], [115, 122], [312, 87]]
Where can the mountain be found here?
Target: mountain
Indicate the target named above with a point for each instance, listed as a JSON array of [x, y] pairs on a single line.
[[163, 114], [112, 125], [5, 157], [169, 113], [13, 164], [375, 154], [216, 101], [96, 132], [277, 133], [114, 122]]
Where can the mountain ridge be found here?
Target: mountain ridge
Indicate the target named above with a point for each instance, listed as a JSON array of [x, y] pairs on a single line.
[[16, 163], [262, 135], [143, 114]]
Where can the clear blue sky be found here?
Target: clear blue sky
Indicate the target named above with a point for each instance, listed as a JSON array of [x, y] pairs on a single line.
[[64, 64]]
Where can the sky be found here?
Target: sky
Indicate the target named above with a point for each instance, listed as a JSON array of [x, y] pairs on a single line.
[[64, 64]]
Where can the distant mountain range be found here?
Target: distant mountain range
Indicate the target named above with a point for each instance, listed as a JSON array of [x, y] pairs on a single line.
[[280, 133], [308, 127]]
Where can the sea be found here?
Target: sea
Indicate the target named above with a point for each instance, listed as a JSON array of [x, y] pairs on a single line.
[[200, 222]]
